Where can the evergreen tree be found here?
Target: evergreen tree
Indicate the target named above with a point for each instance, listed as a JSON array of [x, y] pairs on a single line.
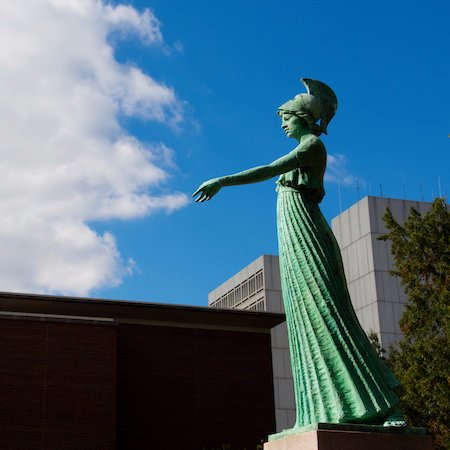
[[375, 342], [421, 361]]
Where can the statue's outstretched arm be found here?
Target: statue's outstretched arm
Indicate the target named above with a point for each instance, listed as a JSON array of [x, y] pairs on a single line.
[[261, 173]]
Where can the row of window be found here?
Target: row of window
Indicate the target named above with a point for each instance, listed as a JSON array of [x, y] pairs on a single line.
[[259, 305], [240, 293]]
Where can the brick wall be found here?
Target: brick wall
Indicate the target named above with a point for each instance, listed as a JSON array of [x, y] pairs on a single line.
[[57, 385], [70, 385], [184, 388]]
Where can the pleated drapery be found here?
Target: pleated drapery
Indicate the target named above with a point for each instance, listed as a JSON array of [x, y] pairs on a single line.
[[337, 375]]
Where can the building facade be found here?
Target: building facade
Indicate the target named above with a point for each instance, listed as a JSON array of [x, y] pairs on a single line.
[[377, 296], [257, 287], [96, 374]]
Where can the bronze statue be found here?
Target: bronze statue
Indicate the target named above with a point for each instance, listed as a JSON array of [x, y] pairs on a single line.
[[338, 377]]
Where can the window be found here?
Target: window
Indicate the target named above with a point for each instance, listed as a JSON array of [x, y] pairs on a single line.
[[242, 292], [258, 305]]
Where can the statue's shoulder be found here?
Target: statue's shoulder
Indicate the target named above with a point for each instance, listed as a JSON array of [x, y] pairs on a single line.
[[312, 143], [311, 151]]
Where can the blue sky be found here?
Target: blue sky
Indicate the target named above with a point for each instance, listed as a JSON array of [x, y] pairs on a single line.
[[222, 69]]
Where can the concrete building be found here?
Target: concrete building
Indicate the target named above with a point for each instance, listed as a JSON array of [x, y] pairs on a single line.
[[377, 296]]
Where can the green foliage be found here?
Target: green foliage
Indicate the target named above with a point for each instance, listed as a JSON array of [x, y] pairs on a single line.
[[421, 361], [375, 342]]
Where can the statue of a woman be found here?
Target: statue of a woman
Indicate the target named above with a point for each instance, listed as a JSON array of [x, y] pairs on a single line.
[[337, 375]]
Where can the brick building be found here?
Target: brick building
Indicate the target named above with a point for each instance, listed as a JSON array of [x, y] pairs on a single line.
[[97, 374]]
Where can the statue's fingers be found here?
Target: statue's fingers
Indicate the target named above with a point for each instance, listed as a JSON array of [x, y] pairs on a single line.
[[196, 192], [201, 198], [206, 197]]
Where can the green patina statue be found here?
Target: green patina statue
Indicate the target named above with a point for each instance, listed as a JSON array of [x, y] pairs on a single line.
[[338, 377]]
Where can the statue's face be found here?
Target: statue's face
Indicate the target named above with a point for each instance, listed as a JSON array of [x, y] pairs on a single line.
[[292, 125]]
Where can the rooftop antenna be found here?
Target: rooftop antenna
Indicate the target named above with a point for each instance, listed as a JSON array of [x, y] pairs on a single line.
[[421, 191], [357, 188], [404, 192], [381, 191]]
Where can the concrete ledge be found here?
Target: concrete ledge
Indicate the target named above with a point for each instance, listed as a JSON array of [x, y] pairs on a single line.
[[351, 440]]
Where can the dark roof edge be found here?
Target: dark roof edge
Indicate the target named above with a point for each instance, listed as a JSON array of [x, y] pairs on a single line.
[[123, 311]]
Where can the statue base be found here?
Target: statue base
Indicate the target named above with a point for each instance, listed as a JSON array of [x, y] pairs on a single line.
[[330, 436]]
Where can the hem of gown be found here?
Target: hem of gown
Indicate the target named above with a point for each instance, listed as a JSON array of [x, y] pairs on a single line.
[[349, 427]]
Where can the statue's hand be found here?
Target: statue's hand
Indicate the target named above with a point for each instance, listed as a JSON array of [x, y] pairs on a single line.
[[207, 190]]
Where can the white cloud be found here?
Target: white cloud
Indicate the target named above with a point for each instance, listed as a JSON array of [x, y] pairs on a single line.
[[337, 172], [64, 158], [126, 19]]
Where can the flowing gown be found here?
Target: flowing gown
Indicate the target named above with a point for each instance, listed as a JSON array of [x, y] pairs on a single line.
[[338, 377]]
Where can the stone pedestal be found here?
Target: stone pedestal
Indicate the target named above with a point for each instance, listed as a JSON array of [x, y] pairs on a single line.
[[339, 437]]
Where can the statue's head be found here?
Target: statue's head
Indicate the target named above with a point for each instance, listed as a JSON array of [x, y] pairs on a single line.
[[319, 103]]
